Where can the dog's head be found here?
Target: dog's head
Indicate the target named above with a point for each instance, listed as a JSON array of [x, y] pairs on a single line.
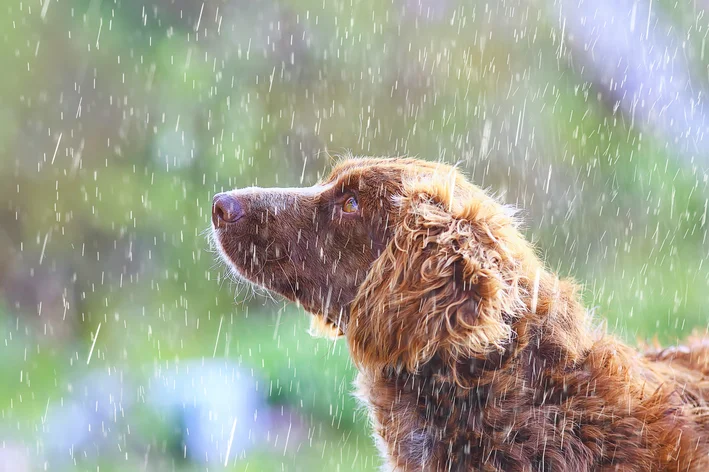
[[405, 257]]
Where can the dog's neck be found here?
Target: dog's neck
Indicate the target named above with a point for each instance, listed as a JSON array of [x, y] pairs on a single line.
[[417, 411]]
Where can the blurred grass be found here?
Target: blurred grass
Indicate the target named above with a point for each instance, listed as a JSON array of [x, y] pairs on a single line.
[[312, 375]]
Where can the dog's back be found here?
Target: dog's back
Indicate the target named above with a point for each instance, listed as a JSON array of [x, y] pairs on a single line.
[[687, 368]]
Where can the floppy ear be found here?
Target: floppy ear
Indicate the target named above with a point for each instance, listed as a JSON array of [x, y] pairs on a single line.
[[446, 284]]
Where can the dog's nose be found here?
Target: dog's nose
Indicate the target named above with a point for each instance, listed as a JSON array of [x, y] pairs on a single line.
[[226, 208]]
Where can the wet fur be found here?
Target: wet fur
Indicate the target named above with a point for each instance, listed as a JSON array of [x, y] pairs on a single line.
[[471, 354]]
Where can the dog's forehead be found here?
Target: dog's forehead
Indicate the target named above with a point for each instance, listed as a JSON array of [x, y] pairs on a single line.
[[378, 172]]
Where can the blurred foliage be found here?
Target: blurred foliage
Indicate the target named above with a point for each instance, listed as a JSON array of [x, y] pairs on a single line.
[[120, 119]]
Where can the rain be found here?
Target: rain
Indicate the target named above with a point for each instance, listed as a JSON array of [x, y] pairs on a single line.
[[127, 343]]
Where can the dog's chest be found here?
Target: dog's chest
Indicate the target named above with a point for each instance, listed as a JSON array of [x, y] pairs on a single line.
[[397, 423], [413, 421]]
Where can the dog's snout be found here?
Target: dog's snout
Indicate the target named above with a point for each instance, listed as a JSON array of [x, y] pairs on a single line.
[[226, 209]]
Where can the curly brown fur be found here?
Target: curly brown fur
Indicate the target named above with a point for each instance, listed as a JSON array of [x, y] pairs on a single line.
[[471, 355]]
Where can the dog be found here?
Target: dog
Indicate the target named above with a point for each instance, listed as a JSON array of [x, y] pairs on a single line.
[[471, 355]]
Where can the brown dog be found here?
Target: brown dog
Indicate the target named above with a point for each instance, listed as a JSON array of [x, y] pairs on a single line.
[[471, 355]]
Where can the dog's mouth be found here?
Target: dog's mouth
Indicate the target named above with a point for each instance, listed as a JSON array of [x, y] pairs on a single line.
[[263, 252], [242, 233], [247, 253], [261, 257]]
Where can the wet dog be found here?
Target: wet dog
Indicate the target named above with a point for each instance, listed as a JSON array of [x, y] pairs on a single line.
[[471, 354]]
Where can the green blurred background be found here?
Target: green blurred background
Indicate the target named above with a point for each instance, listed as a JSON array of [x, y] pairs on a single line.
[[124, 345]]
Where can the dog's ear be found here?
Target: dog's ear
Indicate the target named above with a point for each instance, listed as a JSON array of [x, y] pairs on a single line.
[[446, 284]]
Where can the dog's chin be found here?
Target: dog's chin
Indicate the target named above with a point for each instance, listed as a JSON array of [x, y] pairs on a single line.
[[322, 327], [240, 275], [266, 254]]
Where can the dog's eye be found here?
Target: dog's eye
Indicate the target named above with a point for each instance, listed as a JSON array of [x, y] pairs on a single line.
[[350, 205]]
